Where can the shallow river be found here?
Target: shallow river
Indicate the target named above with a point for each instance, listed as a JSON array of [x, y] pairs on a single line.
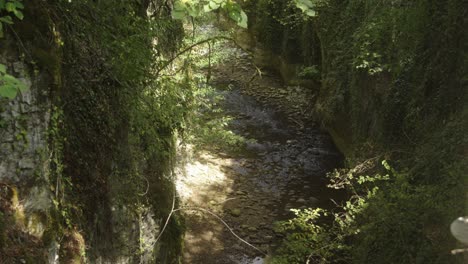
[[283, 167]]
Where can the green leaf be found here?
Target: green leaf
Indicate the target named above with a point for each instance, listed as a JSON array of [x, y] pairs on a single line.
[[302, 7], [18, 5], [6, 19], [243, 21], [2, 4], [193, 11], [10, 7], [214, 5], [2, 68], [386, 165], [311, 13], [307, 3], [177, 14], [18, 14], [211, 6], [179, 7], [8, 91], [207, 8]]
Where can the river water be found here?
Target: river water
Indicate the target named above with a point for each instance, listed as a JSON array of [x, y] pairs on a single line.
[[283, 166]]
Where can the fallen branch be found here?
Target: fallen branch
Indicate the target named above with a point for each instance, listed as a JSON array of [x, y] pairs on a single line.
[[193, 208], [167, 221], [222, 221]]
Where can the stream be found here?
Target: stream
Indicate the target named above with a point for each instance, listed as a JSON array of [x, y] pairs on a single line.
[[283, 167]]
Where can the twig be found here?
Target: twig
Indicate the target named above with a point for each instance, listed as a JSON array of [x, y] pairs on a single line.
[[147, 187], [229, 199], [206, 211], [222, 221], [167, 220], [258, 72]]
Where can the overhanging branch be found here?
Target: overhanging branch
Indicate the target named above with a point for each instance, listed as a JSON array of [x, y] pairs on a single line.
[[209, 40]]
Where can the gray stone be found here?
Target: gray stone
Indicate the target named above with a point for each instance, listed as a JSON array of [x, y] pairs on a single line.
[[3, 170], [18, 67], [27, 163], [27, 96]]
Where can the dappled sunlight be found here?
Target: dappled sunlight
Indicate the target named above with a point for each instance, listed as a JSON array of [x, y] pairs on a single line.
[[200, 177]]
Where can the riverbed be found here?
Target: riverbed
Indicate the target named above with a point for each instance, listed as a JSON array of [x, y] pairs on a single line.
[[238, 197]]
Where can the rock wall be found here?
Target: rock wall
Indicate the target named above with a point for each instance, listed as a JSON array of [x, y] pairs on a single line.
[[75, 184], [25, 196]]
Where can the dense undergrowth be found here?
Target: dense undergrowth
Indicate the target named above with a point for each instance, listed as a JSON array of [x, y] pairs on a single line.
[[393, 86]]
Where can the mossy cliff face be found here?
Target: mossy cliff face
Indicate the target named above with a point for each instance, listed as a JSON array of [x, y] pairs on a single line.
[[393, 85], [80, 181]]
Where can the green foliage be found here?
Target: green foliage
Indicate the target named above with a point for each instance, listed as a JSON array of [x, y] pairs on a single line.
[[13, 7], [313, 236], [210, 124], [197, 8], [309, 7], [9, 85], [310, 72]]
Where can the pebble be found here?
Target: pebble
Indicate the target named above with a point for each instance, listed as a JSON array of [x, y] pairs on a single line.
[[301, 200], [313, 200], [252, 229], [235, 212]]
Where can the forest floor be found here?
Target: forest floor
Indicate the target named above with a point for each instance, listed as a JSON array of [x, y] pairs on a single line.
[[282, 165]]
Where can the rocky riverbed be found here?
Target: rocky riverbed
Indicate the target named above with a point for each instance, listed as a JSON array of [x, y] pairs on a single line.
[[283, 166]]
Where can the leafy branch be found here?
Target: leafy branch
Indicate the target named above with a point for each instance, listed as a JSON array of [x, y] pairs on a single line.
[[13, 7], [9, 85]]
